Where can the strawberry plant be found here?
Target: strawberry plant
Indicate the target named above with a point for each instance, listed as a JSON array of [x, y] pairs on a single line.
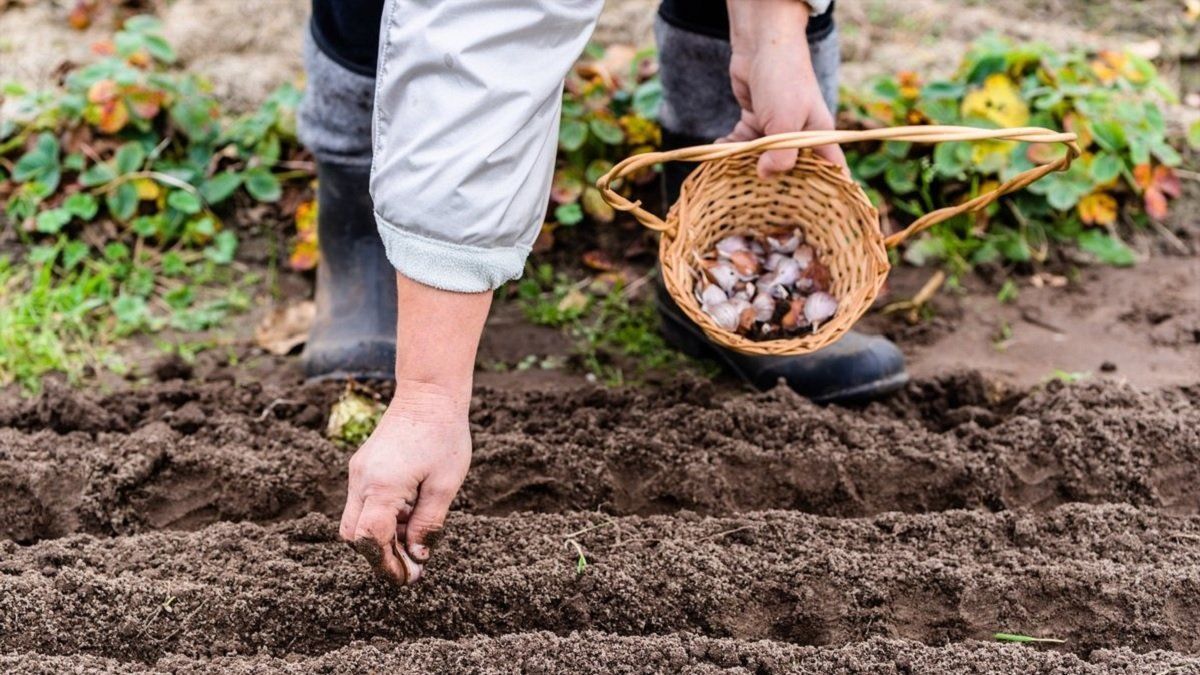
[[610, 111], [116, 186], [1111, 100]]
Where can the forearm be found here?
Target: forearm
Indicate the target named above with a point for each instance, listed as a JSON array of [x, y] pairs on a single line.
[[437, 337]]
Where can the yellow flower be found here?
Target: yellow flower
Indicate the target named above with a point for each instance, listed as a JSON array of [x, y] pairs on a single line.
[[147, 190], [1098, 208], [910, 84], [998, 101]]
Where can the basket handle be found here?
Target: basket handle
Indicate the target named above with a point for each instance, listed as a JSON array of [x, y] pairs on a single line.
[[808, 139]]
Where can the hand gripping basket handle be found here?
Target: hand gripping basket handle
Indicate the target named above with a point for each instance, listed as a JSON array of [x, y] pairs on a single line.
[[808, 139]]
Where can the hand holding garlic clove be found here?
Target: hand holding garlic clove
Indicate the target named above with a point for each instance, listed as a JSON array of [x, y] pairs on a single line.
[[767, 286]]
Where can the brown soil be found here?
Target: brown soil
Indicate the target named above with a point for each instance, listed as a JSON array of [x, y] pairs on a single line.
[[181, 457]]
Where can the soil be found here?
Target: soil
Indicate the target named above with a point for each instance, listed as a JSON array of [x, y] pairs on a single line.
[[184, 521]]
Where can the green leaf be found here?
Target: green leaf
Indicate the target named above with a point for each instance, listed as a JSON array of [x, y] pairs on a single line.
[[607, 131], [130, 310], [223, 247], [1164, 152], [901, 178], [939, 90], [116, 252], [129, 158], [1193, 135], [52, 220], [147, 226], [142, 23], [122, 202], [159, 48], [97, 174], [952, 159], [263, 185], [572, 134], [1107, 249], [1014, 248], [173, 264], [647, 99], [184, 201], [595, 169], [219, 188], [872, 165], [81, 205], [569, 214], [73, 253], [1109, 134], [1105, 167]]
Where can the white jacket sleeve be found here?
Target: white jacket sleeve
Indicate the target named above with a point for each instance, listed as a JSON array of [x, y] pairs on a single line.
[[467, 101]]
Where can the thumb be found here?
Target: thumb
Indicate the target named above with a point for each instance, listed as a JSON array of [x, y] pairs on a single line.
[[428, 516]]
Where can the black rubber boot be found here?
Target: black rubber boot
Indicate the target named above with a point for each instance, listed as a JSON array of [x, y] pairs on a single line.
[[855, 368], [354, 334]]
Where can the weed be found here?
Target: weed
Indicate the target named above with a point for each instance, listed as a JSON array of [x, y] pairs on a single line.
[[1008, 292], [1011, 637], [1068, 377]]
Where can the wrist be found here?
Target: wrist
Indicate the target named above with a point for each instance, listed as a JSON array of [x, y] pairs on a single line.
[[427, 401], [759, 23]]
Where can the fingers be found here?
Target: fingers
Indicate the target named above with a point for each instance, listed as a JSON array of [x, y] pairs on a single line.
[[834, 154], [374, 535], [428, 516]]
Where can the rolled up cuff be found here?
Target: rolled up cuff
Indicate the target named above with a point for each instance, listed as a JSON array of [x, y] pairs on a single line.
[[460, 268]]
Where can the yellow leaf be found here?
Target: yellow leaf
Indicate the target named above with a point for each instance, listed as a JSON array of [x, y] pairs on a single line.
[[910, 84], [102, 91], [305, 252], [112, 116], [575, 300], [1098, 208], [147, 189], [998, 101]]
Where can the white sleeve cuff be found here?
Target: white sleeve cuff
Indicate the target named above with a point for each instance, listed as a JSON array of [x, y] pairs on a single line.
[[460, 268]]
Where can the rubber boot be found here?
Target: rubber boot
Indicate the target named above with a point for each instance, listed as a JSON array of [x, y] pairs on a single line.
[[354, 333], [857, 367]]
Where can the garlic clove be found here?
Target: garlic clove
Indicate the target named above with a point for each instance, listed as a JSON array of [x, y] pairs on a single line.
[[722, 274], [745, 262], [764, 307], [787, 273], [773, 260], [819, 307], [712, 295], [732, 244], [725, 315], [781, 245]]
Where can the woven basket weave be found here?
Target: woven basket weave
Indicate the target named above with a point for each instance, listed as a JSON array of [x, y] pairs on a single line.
[[724, 196]]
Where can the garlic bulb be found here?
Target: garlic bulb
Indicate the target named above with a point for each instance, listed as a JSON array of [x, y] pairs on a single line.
[[764, 307], [725, 315], [712, 295]]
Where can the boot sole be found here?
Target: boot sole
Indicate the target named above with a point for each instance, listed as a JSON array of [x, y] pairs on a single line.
[[689, 340]]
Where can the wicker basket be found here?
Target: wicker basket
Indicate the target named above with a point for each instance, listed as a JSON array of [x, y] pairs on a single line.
[[724, 196]]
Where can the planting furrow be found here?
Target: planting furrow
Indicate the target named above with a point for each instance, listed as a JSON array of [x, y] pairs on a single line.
[[591, 652], [618, 451], [1097, 576]]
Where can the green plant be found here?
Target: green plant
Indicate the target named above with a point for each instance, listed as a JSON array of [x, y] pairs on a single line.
[[609, 111], [115, 186], [615, 332], [1110, 100], [1011, 637]]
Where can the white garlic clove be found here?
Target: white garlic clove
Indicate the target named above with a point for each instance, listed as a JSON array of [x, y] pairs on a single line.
[[712, 295], [756, 248], [723, 274], [764, 307], [819, 306], [804, 256], [773, 260], [732, 244], [725, 315], [787, 273]]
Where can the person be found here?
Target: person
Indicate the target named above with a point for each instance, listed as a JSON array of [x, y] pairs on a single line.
[[434, 127]]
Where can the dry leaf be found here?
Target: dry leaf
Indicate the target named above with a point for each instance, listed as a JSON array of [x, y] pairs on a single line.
[[285, 328]]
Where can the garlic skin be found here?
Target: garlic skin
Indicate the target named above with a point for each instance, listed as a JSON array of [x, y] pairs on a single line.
[[804, 256], [732, 244], [819, 307], [785, 245], [746, 264], [773, 260]]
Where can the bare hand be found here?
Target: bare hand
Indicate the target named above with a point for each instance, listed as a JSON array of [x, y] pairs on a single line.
[[403, 479], [774, 81]]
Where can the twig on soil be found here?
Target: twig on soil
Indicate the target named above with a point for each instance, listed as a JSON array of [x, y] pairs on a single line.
[[923, 296], [1167, 234], [271, 406], [1029, 316], [718, 535]]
